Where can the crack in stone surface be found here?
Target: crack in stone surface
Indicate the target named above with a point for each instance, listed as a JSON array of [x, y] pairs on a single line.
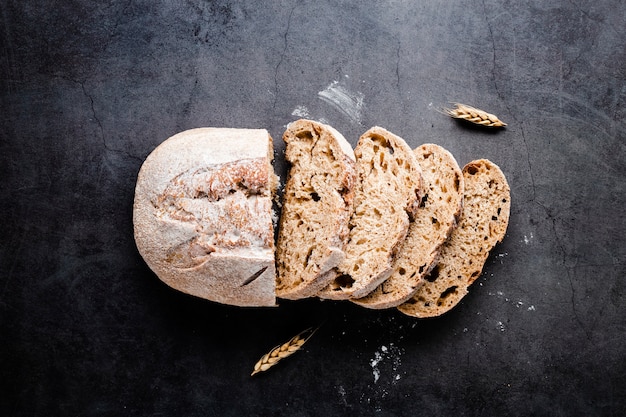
[[533, 198], [398, 66], [103, 140], [282, 57]]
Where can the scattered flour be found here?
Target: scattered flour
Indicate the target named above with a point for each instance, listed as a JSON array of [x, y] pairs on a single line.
[[390, 357], [528, 239], [300, 111], [341, 98]]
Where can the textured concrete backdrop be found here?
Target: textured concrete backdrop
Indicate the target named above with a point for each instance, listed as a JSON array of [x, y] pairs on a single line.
[[88, 89]]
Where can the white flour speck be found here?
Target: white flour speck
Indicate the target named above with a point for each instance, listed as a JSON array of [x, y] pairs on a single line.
[[300, 111], [527, 239], [385, 357], [531, 308], [501, 326], [374, 364]]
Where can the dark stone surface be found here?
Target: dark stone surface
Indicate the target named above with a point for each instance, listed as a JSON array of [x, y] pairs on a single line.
[[88, 89]]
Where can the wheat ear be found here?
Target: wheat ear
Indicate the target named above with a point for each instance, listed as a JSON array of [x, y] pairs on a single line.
[[474, 115], [282, 351]]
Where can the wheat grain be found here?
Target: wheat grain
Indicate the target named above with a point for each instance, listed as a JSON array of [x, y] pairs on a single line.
[[474, 115], [282, 351]]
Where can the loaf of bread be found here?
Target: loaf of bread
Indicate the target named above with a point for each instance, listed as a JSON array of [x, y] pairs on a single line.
[[437, 215], [203, 214], [387, 195], [483, 223], [317, 204], [374, 225]]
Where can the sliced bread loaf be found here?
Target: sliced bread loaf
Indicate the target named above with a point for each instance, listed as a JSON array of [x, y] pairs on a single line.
[[387, 195], [317, 204], [202, 214], [483, 223], [437, 215]]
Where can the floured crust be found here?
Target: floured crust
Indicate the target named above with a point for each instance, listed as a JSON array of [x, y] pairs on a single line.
[[435, 219], [483, 223], [317, 204], [203, 214], [386, 198]]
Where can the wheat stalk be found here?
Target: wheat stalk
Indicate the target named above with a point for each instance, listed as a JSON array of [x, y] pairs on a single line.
[[474, 115], [282, 351]]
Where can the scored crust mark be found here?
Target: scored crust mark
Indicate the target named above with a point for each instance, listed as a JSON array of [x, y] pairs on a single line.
[[387, 196], [317, 203], [254, 276], [222, 202], [482, 225], [433, 222]]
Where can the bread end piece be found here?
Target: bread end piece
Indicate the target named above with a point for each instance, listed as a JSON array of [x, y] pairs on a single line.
[[202, 214], [483, 223]]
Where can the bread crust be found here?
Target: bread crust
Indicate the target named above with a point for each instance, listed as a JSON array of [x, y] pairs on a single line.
[[483, 223], [317, 203], [202, 214], [435, 219]]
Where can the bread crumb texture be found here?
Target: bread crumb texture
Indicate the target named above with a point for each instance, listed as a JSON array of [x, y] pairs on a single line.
[[483, 223], [434, 220], [317, 203], [386, 199]]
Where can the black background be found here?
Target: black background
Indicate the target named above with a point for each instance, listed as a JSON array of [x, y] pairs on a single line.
[[88, 89]]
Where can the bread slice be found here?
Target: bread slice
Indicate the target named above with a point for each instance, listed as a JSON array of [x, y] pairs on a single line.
[[486, 209], [317, 204], [437, 216], [203, 214], [386, 198]]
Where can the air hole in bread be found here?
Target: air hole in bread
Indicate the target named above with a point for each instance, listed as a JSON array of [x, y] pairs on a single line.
[[494, 218], [421, 269], [308, 256], [391, 150], [434, 220], [423, 201], [315, 196], [472, 169], [361, 241], [344, 281], [491, 183], [401, 271], [304, 135], [434, 274], [448, 292], [427, 155], [457, 182], [499, 210]]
